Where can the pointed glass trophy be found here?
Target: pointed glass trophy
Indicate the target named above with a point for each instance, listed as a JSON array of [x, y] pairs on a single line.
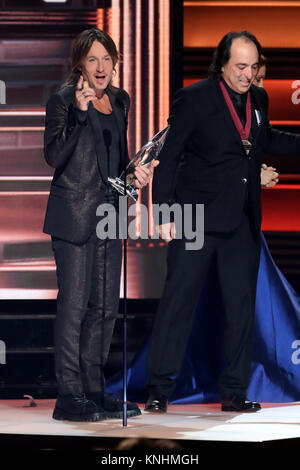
[[145, 155]]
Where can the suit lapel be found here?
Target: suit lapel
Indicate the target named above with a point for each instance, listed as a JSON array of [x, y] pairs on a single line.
[[120, 114], [223, 110], [260, 107]]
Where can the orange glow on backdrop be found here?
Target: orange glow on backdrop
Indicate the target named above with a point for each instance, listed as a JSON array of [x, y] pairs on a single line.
[[100, 18], [242, 3], [281, 208], [205, 23], [284, 98]]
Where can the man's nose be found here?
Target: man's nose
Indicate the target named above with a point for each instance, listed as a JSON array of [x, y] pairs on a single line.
[[100, 66], [249, 73]]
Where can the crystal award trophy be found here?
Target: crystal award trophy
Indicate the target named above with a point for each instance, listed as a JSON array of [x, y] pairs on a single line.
[[145, 155]]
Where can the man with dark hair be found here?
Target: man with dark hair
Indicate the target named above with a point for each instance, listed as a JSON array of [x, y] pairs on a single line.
[[223, 52], [219, 130], [85, 142]]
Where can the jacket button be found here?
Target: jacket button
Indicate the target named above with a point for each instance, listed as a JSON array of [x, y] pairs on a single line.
[[244, 180]]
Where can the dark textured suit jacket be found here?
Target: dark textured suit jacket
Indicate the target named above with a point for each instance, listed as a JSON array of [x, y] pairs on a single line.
[[203, 160], [79, 157]]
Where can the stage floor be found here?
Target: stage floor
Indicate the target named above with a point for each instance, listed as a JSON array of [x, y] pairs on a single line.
[[182, 423]]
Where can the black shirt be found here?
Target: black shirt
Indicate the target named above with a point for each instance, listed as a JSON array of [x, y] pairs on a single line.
[[112, 144], [111, 139]]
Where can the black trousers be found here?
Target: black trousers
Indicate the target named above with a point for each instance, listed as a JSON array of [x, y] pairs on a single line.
[[237, 258], [88, 279]]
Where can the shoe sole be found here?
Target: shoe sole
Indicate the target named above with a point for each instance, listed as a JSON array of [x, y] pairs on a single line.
[[231, 408], [62, 416], [119, 414]]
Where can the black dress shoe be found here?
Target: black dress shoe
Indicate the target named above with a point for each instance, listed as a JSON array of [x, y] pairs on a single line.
[[239, 403], [113, 406], [77, 408], [157, 404]]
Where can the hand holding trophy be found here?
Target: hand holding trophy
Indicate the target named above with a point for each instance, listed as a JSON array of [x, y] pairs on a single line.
[[145, 155]]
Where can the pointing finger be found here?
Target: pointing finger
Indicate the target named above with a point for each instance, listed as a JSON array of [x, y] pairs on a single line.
[[79, 83]]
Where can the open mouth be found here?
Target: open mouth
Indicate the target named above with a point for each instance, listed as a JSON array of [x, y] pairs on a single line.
[[100, 78]]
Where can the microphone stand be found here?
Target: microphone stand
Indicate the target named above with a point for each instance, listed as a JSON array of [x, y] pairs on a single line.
[[147, 153], [125, 312]]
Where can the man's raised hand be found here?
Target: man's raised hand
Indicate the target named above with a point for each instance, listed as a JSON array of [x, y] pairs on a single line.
[[84, 94]]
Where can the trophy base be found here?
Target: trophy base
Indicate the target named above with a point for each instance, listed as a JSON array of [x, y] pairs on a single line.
[[118, 184]]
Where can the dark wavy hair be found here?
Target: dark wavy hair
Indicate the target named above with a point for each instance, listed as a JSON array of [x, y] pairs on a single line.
[[81, 46], [222, 53]]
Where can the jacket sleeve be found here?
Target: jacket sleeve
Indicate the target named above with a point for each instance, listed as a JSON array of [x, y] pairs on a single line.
[[181, 121], [125, 103], [62, 131], [282, 143]]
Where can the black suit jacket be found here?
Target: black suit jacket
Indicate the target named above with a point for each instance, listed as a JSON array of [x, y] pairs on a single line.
[[203, 160], [79, 157]]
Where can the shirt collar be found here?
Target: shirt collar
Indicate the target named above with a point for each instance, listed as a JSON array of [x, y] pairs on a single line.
[[233, 94]]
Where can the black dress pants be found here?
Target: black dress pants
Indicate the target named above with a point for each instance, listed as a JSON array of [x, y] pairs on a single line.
[[237, 257], [88, 279]]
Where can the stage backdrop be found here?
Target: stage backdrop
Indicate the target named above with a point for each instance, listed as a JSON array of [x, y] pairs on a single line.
[[35, 43]]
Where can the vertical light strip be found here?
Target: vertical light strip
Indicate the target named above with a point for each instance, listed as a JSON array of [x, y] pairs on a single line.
[[151, 91], [114, 24], [151, 66], [164, 54], [138, 99], [100, 18], [127, 59], [138, 75]]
